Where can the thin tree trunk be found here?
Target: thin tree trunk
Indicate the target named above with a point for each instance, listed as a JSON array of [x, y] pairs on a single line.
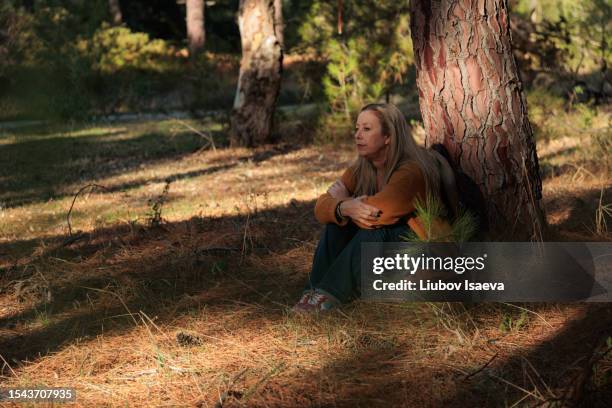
[[115, 12], [535, 11], [260, 74], [279, 22], [472, 102], [196, 34], [340, 7]]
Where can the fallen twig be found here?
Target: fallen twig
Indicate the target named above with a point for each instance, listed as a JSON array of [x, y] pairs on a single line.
[[72, 239], [244, 238], [539, 398], [481, 368], [74, 200], [230, 392], [203, 135], [117, 296], [9, 366]]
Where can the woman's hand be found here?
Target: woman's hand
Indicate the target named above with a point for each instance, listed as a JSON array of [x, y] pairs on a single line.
[[338, 190], [359, 211]]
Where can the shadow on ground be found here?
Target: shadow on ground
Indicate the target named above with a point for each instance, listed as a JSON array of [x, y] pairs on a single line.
[[574, 215], [37, 169], [97, 283], [153, 270]]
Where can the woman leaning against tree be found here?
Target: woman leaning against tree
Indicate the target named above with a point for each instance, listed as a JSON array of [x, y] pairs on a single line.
[[374, 201]]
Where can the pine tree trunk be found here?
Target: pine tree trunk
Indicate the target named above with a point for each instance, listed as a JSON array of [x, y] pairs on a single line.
[[196, 34], [115, 12], [260, 74], [279, 22], [472, 102]]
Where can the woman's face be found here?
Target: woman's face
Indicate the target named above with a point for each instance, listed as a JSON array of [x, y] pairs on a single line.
[[369, 138]]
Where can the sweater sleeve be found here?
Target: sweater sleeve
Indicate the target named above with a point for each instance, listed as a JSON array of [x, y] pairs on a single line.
[[325, 209], [397, 197]]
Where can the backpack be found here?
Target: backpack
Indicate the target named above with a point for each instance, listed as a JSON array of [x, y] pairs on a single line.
[[463, 194]]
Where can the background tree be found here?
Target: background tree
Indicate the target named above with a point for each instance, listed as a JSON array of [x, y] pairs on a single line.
[[196, 34], [115, 12], [279, 23], [260, 74], [472, 102]]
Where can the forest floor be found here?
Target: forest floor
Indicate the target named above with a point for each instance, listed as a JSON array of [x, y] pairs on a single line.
[[170, 282]]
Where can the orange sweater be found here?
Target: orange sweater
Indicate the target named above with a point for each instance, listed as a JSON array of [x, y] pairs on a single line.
[[395, 200]]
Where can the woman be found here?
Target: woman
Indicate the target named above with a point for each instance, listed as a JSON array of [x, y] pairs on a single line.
[[373, 201]]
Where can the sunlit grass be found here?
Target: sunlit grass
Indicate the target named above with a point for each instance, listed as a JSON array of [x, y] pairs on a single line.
[[230, 257]]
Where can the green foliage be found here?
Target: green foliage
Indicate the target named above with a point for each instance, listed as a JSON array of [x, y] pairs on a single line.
[[580, 30], [432, 211], [349, 83], [42, 317], [511, 323], [64, 62], [364, 63], [464, 227], [16, 37], [318, 28], [60, 60], [115, 48], [553, 117], [44, 71], [428, 212], [57, 26], [578, 134], [543, 109]]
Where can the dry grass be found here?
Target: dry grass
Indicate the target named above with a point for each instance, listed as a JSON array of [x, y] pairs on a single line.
[[194, 312]]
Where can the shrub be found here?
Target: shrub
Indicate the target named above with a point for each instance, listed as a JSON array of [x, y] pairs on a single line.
[[112, 49], [365, 63], [61, 61], [572, 36]]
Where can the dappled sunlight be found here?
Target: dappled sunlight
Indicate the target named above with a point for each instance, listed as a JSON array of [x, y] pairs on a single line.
[[227, 181], [148, 260], [233, 339], [175, 286], [210, 183], [202, 305]]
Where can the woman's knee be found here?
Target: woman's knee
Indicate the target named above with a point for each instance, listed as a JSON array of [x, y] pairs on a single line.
[[373, 235], [337, 232], [333, 229], [387, 233]]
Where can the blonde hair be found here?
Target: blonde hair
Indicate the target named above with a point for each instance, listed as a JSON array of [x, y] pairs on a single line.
[[402, 148]]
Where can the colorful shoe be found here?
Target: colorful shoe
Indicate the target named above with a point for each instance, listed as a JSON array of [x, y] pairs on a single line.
[[304, 300], [315, 301]]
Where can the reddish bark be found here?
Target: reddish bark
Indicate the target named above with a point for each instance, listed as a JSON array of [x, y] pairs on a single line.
[[472, 102]]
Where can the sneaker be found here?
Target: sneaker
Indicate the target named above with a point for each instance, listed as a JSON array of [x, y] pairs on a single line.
[[314, 301], [304, 299]]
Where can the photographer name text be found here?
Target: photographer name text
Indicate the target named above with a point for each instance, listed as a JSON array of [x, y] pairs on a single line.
[[432, 286]]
